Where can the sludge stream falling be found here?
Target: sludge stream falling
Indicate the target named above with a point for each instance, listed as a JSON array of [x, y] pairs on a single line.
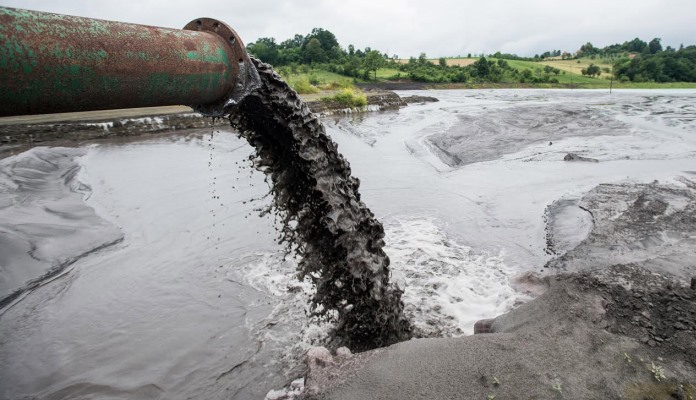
[[337, 238]]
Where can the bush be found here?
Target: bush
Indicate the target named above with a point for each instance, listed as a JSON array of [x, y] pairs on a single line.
[[333, 85], [314, 80], [283, 71], [302, 86], [348, 98]]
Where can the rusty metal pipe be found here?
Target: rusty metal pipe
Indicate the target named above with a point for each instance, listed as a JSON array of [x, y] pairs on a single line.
[[52, 63]]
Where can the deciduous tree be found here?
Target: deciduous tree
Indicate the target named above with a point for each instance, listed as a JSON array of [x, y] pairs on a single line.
[[655, 46], [373, 61]]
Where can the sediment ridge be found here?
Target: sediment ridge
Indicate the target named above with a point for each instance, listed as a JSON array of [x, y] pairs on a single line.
[[17, 131]]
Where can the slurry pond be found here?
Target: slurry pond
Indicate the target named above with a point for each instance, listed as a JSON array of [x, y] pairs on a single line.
[[166, 283]]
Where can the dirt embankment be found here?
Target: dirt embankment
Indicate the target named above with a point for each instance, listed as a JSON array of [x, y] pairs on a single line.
[[377, 100], [582, 339], [395, 85], [650, 225], [32, 130]]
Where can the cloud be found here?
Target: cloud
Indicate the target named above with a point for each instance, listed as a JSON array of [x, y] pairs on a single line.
[[408, 27]]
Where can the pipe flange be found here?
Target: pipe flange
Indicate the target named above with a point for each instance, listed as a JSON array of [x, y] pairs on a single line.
[[247, 78]]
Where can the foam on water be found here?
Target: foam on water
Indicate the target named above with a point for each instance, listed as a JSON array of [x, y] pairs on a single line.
[[448, 285], [289, 326]]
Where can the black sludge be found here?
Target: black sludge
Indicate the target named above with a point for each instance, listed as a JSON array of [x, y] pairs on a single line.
[[338, 239]]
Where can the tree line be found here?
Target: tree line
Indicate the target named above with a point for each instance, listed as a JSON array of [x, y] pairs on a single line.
[[320, 49], [634, 60]]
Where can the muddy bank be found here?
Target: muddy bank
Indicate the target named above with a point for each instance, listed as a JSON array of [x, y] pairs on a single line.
[[396, 85], [493, 133], [413, 85], [578, 340], [15, 131], [377, 100], [651, 225], [45, 226], [17, 134]]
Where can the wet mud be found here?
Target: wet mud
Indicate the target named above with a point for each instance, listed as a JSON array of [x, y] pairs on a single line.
[[617, 333], [44, 224], [654, 309], [493, 133], [337, 238], [652, 225], [567, 225]]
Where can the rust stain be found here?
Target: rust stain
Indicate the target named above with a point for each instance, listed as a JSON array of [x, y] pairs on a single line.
[[56, 63]]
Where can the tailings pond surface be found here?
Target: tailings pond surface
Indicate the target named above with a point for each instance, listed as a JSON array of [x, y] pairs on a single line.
[[166, 282]]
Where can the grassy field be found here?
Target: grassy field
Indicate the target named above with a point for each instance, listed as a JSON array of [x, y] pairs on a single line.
[[462, 62], [317, 83], [318, 76], [574, 66], [320, 83], [389, 73], [572, 76], [654, 85]]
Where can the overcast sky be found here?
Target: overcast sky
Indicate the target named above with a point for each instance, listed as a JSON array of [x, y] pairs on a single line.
[[409, 27]]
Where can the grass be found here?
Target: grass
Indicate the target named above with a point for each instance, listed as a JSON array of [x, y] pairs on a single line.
[[537, 68], [574, 66], [571, 68], [462, 62], [317, 83], [655, 85], [390, 73], [302, 86], [349, 98], [598, 84], [317, 80], [573, 75]]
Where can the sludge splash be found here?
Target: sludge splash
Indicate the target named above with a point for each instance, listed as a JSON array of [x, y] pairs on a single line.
[[338, 240]]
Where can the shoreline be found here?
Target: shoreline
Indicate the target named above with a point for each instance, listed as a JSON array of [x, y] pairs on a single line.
[[576, 341], [413, 85], [23, 132]]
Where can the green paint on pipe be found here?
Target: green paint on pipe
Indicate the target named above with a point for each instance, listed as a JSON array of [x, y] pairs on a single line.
[[140, 55], [219, 57], [49, 61]]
